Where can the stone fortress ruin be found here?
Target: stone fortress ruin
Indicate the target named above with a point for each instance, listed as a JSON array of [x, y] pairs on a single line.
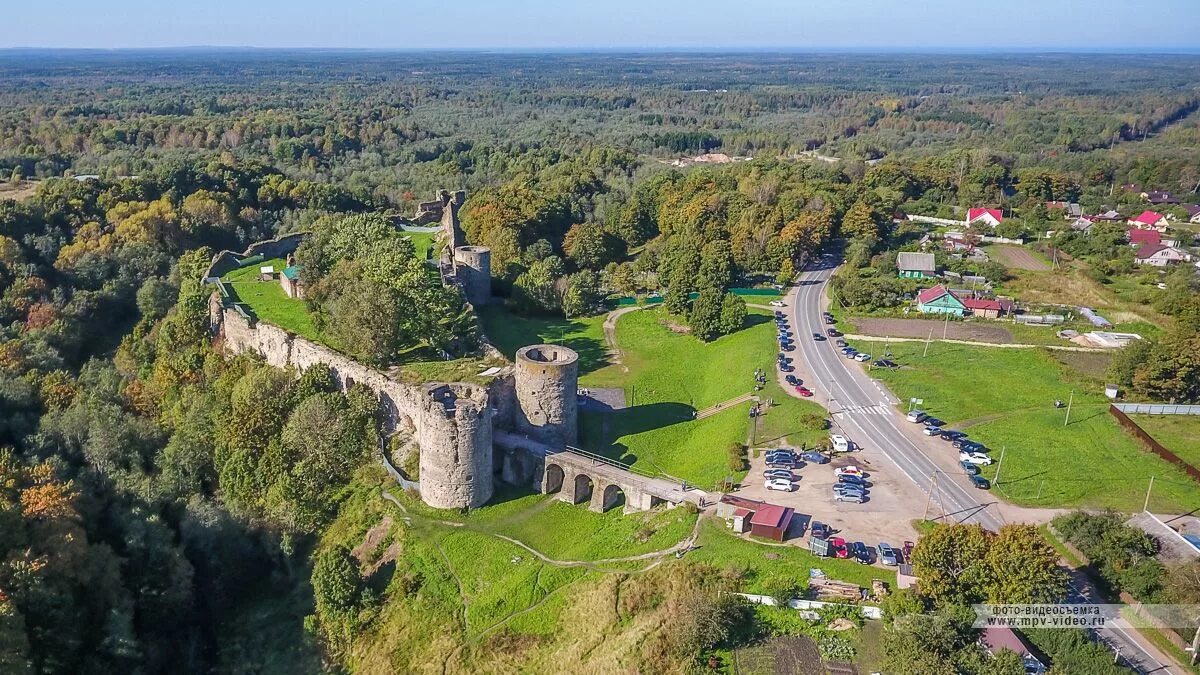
[[518, 428]]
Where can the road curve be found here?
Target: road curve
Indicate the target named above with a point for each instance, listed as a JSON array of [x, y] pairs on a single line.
[[866, 413]]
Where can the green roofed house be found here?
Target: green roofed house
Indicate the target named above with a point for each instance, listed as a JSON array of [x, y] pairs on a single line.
[[290, 281], [916, 265], [940, 300]]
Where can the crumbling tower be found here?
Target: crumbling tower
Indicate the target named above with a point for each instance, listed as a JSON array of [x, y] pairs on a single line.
[[455, 437], [473, 270], [546, 383]]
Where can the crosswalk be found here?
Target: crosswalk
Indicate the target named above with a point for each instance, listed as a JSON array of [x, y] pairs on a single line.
[[865, 410]]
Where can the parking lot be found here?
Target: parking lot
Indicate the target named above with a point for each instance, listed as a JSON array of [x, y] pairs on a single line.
[[893, 500]]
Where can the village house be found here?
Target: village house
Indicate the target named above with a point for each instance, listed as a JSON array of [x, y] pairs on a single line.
[[998, 638], [983, 308], [1160, 197], [989, 217], [1160, 255], [1150, 220], [940, 300], [1143, 237], [289, 280], [758, 518], [1083, 225], [1193, 212], [916, 265], [1108, 216], [1070, 210]]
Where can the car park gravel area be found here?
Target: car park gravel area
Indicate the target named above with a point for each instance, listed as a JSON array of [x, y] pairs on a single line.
[[976, 331]]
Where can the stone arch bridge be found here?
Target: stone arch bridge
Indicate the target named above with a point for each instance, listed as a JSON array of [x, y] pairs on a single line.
[[578, 477]]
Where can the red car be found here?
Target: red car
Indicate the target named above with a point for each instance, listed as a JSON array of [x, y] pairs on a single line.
[[804, 391], [838, 546]]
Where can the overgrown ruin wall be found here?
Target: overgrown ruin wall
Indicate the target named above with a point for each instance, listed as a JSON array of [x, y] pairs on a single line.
[[455, 441]]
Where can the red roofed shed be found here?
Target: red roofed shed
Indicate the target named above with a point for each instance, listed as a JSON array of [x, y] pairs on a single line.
[[771, 521], [1142, 237], [988, 309]]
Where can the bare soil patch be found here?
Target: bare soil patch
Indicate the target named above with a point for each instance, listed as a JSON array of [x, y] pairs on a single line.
[[1018, 257], [977, 331], [19, 192]]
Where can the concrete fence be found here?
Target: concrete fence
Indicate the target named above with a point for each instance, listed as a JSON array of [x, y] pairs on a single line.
[[867, 611], [1157, 409], [931, 219]]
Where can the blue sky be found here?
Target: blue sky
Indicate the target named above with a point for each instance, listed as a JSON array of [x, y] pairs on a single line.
[[917, 25]]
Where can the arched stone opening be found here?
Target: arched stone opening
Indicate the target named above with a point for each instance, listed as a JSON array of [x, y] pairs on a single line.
[[554, 479], [614, 496], [583, 488]]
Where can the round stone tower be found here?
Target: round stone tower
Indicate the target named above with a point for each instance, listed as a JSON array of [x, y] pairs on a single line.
[[473, 269], [455, 437], [546, 383]]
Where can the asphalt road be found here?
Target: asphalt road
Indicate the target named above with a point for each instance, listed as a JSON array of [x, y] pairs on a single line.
[[866, 413]]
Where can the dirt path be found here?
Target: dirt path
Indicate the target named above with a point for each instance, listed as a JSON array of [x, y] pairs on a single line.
[[1009, 345], [724, 405], [610, 334]]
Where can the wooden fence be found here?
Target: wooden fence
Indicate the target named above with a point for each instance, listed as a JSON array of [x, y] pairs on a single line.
[[1153, 445]]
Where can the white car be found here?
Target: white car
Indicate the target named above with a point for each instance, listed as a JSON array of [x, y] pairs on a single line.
[[779, 484], [777, 303], [932, 431], [839, 443], [974, 458], [862, 358], [848, 471]]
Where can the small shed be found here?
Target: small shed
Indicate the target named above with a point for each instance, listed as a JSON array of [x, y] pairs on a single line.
[[741, 520], [290, 281], [771, 521], [266, 273]]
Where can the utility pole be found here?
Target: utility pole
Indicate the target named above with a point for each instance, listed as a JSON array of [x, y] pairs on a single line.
[[927, 340], [946, 326], [1146, 505], [1001, 464], [932, 486], [1069, 402]]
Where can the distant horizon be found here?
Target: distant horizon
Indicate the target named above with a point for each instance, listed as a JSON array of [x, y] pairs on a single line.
[[666, 49], [617, 25]]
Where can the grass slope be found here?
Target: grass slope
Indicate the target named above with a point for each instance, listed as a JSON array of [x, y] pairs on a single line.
[[1179, 433], [1004, 398], [271, 305]]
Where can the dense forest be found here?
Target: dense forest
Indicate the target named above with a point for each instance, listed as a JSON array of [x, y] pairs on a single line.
[[148, 482]]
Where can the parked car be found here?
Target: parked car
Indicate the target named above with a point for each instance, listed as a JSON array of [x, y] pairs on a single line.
[[814, 457], [781, 452], [862, 358], [969, 468], [862, 553], [818, 529], [788, 347], [951, 435], [785, 333], [967, 445], [839, 443], [934, 422], [884, 363], [932, 431], [833, 332], [781, 474], [787, 368], [847, 489], [851, 354], [980, 482], [849, 471], [777, 303], [830, 319], [853, 480], [817, 337], [804, 391], [780, 315], [852, 498], [887, 554], [974, 458], [916, 416], [779, 484], [792, 380], [780, 463], [839, 548]]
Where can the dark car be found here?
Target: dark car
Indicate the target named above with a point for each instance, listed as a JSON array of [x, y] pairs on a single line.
[[781, 463], [830, 319], [840, 343], [818, 337], [862, 553], [833, 332], [780, 315], [966, 445], [786, 368], [980, 482], [789, 347], [884, 363], [792, 380], [814, 457], [934, 422], [970, 468], [951, 435], [848, 350], [819, 530], [845, 489], [784, 358], [853, 480]]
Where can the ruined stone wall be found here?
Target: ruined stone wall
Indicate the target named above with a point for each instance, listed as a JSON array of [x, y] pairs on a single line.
[[473, 270], [546, 385], [458, 444], [279, 247]]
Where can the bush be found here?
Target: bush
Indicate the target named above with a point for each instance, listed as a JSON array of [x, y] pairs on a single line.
[[736, 457]]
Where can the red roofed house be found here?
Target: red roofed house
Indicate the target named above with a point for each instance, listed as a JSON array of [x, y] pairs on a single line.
[[1143, 237], [990, 217], [1158, 255], [771, 521], [940, 300], [998, 638], [987, 309], [1150, 220]]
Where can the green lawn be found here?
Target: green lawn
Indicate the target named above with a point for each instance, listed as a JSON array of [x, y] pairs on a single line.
[[720, 547], [1004, 399], [270, 304], [422, 242], [509, 332], [1179, 433]]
